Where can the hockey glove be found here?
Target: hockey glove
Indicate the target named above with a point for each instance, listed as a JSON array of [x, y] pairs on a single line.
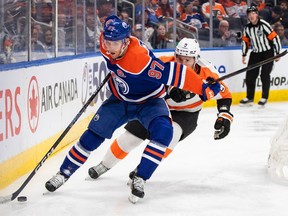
[[222, 124], [210, 89], [179, 95]]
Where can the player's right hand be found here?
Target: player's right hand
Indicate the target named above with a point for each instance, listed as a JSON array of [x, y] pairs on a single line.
[[179, 95]]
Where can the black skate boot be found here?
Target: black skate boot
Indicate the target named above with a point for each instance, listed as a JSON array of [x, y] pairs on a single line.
[[55, 182], [262, 102], [246, 102], [96, 171]]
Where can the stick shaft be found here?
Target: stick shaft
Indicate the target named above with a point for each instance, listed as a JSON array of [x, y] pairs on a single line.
[[11, 197], [250, 67]]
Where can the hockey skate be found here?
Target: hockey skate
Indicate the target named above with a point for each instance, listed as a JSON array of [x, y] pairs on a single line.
[[55, 182], [137, 189], [246, 102], [96, 171], [131, 175], [262, 102]]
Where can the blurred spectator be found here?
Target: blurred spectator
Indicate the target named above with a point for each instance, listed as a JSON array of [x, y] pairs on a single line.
[[137, 32], [48, 42], [150, 8], [279, 29], [159, 39], [180, 8], [10, 23], [37, 47], [105, 8], [147, 19], [258, 3], [284, 6], [196, 3], [266, 12], [225, 3], [92, 33], [276, 16], [217, 9], [61, 31], [164, 10], [224, 37], [65, 26], [286, 33], [6, 54], [44, 12], [193, 18], [236, 8], [124, 15]]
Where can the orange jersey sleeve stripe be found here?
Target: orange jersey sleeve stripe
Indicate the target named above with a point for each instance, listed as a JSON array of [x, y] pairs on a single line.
[[77, 156], [153, 152], [117, 151], [193, 82], [272, 35], [187, 106], [177, 74]]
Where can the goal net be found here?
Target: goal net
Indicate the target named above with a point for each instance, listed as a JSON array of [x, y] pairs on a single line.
[[278, 155]]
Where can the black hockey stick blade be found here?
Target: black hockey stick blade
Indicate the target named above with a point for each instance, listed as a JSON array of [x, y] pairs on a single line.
[[5, 199], [251, 66]]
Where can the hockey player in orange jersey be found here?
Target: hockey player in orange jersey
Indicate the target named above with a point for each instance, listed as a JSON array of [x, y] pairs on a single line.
[[137, 84], [184, 106]]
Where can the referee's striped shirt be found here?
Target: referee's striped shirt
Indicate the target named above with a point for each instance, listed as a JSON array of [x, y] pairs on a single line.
[[261, 37]]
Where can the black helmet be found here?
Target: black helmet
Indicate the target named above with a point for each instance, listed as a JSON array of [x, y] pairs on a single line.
[[252, 9]]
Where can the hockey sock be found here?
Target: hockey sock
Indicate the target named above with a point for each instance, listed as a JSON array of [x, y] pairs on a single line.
[[75, 158], [120, 148], [150, 160]]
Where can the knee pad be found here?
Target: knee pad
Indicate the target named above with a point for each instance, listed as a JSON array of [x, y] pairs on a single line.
[[90, 141], [161, 130]]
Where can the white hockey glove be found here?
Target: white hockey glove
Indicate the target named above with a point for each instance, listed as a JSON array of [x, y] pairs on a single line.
[[222, 124]]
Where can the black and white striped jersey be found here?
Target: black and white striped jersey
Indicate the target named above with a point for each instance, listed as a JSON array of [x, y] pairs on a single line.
[[261, 37]]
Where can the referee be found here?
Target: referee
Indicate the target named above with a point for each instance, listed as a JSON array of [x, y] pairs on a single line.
[[265, 43]]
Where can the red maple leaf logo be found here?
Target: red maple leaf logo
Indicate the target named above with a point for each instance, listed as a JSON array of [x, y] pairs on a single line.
[[33, 102]]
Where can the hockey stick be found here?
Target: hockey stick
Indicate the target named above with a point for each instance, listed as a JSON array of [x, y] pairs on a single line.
[[250, 67], [11, 197]]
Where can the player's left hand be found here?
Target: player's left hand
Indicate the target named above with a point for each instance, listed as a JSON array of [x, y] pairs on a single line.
[[210, 89], [222, 124]]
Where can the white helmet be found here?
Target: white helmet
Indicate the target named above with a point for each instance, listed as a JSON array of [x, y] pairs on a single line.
[[188, 47]]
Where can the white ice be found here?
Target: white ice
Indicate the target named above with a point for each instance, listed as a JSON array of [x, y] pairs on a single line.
[[202, 177]]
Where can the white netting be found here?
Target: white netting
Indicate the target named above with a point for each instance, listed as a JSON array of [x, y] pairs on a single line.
[[278, 156]]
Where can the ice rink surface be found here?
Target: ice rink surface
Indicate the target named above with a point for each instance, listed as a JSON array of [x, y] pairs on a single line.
[[202, 177]]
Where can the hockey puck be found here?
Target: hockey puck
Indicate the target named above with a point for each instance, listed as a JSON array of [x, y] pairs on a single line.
[[22, 199]]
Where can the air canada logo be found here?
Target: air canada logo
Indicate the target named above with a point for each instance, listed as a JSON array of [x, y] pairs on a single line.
[[33, 104]]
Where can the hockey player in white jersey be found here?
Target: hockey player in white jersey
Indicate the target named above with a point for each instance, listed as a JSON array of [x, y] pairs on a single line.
[[184, 107]]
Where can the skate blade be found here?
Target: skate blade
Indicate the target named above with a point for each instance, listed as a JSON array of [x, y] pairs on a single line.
[[88, 178], [261, 106], [133, 199], [129, 182], [246, 105]]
